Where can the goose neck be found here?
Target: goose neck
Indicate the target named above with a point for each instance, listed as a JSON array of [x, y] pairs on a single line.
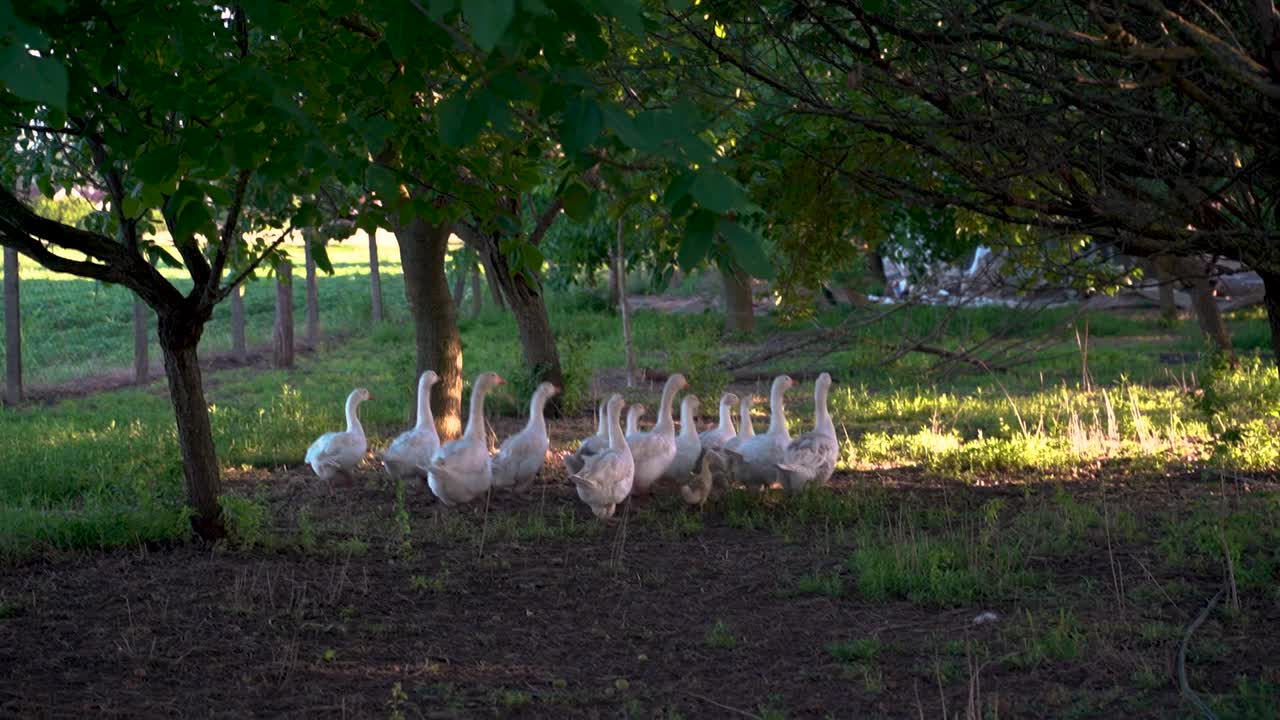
[[821, 413], [353, 417], [777, 411], [688, 426], [424, 405], [617, 439], [536, 407], [474, 419], [726, 417], [665, 424]]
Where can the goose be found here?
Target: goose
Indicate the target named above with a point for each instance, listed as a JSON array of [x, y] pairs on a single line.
[[811, 457], [336, 454], [410, 453], [755, 459], [695, 488], [716, 437], [688, 444], [606, 478], [745, 429], [522, 455], [634, 413], [591, 445], [461, 471], [654, 450]]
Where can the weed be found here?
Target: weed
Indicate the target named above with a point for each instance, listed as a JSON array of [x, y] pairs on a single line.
[[353, 545], [403, 530], [1062, 640], [853, 650], [720, 636], [829, 584]]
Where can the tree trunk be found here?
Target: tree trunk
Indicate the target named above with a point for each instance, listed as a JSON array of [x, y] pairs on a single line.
[[179, 337], [1271, 301], [614, 282], [239, 346], [875, 263], [525, 299], [435, 321], [313, 291], [620, 266], [375, 280], [491, 277], [282, 347], [12, 330], [739, 315], [1208, 314], [459, 286], [1168, 306], [141, 359], [477, 300]]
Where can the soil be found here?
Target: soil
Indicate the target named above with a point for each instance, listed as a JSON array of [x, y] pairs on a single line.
[[530, 607]]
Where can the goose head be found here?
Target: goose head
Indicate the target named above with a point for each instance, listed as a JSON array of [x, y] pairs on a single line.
[[547, 390], [361, 395], [489, 380]]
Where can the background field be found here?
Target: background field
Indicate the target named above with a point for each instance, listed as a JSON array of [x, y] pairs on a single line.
[[1094, 522]]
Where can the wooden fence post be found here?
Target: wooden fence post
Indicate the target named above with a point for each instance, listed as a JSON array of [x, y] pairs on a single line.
[[12, 330], [282, 350]]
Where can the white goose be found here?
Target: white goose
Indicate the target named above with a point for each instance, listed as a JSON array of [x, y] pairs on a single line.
[[755, 459], [606, 478], [335, 454], [522, 455], [811, 457], [745, 429], [716, 437], [634, 413], [688, 444], [409, 455], [593, 444], [653, 451], [461, 470]]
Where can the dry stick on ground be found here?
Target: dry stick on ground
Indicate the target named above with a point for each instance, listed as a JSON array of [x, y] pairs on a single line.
[[1187, 692], [793, 343], [722, 706]]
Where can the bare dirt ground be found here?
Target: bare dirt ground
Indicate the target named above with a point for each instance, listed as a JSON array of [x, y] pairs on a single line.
[[529, 607]]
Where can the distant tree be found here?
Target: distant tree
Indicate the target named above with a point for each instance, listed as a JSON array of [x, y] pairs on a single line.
[[1085, 129]]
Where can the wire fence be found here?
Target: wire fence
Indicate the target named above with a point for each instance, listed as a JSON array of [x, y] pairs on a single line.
[[75, 329]]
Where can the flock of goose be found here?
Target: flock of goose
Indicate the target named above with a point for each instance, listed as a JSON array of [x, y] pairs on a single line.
[[608, 467]]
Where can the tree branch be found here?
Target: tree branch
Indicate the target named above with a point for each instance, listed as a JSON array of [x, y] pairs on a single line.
[[229, 228], [240, 278]]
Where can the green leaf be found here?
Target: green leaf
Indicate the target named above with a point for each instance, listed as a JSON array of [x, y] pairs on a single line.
[[157, 165], [577, 202], [382, 181], [320, 253], [718, 192], [699, 231], [677, 5], [873, 6], [678, 188], [629, 14], [400, 29], [488, 20], [747, 249], [582, 123], [157, 256], [461, 119], [192, 218], [39, 79]]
